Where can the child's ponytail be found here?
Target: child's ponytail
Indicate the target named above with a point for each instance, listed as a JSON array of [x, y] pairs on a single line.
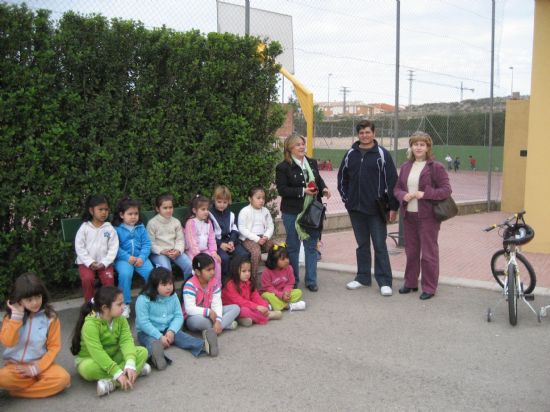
[[275, 253], [104, 296]]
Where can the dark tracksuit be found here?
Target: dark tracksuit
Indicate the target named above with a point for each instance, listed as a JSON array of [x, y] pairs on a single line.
[[361, 181], [225, 228]]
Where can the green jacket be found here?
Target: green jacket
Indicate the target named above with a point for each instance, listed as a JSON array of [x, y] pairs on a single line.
[[101, 343]]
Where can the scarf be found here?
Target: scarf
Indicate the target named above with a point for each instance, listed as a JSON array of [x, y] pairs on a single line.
[[302, 234]]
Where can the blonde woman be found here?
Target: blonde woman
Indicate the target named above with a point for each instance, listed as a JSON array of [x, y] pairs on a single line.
[[421, 180], [297, 177]]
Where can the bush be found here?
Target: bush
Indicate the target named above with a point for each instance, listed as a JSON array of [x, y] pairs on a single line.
[[90, 105]]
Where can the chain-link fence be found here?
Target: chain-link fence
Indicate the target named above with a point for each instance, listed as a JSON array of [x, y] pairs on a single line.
[[345, 53]]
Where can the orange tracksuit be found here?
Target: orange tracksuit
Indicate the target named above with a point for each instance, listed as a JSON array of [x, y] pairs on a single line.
[[43, 339]]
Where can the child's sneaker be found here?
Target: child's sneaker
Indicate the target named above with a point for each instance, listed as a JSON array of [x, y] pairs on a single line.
[[234, 325], [105, 387], [210, 342], [157, 355], [126, 312], [275, 315], [300, 305], [245, 322], [146, 370]]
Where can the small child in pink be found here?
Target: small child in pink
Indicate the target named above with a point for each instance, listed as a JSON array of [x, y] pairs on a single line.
[[241, 290], [278, 281], [199, 234]]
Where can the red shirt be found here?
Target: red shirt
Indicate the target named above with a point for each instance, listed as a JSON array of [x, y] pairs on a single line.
[[247, 298]]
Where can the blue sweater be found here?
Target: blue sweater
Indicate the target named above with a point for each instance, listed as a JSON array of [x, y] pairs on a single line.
[[154, 317], [133, 243]]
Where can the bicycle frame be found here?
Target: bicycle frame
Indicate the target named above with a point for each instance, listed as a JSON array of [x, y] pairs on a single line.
[[511, 260]]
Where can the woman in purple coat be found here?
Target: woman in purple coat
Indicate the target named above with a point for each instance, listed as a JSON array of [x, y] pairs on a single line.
[[421, 180]]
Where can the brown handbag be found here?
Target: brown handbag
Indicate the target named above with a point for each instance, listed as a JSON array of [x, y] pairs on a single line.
[[443, 209]]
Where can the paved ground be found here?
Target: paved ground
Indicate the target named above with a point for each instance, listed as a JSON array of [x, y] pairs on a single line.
[[465, 250], [350, 350]]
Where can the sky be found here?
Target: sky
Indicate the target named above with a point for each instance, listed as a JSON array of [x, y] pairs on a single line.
[[352, 43]]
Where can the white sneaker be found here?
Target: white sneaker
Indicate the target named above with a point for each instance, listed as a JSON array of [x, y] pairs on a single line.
[[386, 291], [126, 311], [105, 387], [300, 305], [353, 285], [146, 370], [234, 325]]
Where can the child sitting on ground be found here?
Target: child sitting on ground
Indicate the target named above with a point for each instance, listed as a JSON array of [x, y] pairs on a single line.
[[241, 290], [159, 320], [202, 301], [31, 333], [103, 344], [278, 281]]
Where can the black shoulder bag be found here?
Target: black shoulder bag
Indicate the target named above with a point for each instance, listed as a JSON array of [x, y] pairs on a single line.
[[443, 209]]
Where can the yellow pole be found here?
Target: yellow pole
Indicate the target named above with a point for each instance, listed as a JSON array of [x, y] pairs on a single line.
[[305, 98]]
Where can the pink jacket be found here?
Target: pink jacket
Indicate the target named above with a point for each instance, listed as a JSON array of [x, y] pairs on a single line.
[[278, 281], [191, 241], [246, 299]]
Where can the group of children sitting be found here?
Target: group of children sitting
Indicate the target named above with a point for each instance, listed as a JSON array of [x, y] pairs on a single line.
[[102, 341]]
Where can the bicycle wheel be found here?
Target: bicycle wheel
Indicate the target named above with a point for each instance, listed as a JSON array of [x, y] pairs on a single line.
[[526, 271], [512, 296]]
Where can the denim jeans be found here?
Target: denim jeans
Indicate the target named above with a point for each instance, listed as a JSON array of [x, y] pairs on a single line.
[[226, 257], [293, 247], [365, 228], [182, 261], [181, 340], [125, 274]]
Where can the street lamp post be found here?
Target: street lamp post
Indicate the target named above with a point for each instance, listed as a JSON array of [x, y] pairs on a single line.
[[512, 82]]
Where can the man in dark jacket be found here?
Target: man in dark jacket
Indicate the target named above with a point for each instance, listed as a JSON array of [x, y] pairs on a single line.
[[366, 179]]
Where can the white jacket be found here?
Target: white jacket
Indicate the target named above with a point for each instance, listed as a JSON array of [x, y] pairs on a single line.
[[246, 220], [96, 244]]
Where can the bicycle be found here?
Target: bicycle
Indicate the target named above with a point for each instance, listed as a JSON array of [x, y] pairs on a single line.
[[511, 269]]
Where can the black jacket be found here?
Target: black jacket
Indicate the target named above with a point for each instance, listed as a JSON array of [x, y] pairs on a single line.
[[361, 179], [291, 183]]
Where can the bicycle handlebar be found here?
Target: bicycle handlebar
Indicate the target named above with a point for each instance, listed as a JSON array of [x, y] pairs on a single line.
[[518, 215]]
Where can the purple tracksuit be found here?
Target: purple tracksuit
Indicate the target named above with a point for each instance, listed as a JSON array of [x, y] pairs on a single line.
[[421, 228]]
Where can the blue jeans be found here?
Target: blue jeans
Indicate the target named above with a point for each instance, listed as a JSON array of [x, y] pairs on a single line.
[[126, 272], [366, 227], [182, 261], [293, 247], [181, 340]]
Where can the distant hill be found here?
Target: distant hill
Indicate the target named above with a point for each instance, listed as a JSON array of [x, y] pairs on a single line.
[[465, 106]]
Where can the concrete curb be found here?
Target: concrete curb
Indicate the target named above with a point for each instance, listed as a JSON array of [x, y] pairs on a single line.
[[337, 267], [451, 281]]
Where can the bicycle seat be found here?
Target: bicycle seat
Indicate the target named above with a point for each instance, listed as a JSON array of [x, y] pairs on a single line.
[[519, 234]]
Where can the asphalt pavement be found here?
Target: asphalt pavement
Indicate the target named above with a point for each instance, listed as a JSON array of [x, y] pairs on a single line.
[[349, 350]]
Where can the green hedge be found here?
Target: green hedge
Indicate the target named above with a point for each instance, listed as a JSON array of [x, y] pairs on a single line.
[[90, 105]]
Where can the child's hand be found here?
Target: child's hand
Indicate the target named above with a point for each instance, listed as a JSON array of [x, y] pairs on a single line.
[[170, 336], [231, 246], [139, 262], [225, 247], [94, 266], [132, 260], [213, 316], [28, 371], [125, 382], [16, 307], [262, 241], [216, 257], [217, 327], [286, 296], [165, 341], [100, 266], [262, 309], [165, 252], [131, 375]]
